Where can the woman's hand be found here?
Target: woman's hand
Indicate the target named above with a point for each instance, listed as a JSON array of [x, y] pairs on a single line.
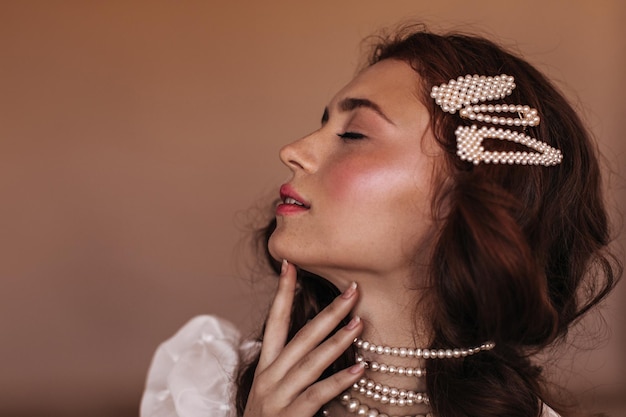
[[284, 382]]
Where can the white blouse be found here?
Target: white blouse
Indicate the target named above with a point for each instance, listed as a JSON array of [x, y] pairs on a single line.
[[193, 373]]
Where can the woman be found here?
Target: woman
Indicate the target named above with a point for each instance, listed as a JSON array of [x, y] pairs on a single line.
[[452, 197]]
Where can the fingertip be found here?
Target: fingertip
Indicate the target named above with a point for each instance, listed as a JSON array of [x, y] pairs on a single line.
[[357, 368], [288, 276], [354, 323], [283, 268], [350, 291]]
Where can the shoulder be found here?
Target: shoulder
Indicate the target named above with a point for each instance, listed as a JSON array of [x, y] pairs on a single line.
[[193, 373]]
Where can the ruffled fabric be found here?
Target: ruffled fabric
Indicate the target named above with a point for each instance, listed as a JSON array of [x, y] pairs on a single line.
[[193, 373]]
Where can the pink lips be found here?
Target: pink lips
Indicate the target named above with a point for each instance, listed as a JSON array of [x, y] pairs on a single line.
[[292, 203]]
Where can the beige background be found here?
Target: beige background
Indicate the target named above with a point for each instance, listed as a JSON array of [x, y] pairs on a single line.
[[139, 142]]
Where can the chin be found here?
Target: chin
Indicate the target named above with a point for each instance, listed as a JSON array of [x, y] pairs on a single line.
[[281, 248], [277, 247]]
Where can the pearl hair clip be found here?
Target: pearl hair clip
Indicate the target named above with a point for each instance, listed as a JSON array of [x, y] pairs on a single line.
[[464, 94]]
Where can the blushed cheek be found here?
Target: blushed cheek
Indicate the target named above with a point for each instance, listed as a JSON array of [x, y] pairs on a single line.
[[366, 183]]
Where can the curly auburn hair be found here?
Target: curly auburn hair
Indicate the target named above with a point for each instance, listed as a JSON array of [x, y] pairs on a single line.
[[520, 252]]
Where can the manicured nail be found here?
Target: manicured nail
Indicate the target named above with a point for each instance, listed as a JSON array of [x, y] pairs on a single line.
[[350, 291], [353, 323], [356, 369], [283, 267]]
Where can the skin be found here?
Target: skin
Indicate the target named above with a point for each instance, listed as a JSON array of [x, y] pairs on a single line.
[[368, 227]]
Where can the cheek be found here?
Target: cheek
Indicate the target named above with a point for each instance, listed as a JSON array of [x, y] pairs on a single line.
[[372, 182]]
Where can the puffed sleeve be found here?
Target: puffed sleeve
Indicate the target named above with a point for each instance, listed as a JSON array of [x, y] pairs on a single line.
[[193, 373]]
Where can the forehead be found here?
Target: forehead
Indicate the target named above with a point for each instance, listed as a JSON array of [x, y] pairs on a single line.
[[390, 83]]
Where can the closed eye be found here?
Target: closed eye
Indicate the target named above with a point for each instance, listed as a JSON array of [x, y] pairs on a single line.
[[351, 135]]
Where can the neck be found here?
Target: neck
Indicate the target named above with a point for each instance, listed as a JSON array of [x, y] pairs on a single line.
[[392, 316], [389, 306]]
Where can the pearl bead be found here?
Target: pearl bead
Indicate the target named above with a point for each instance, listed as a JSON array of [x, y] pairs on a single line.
[[362, 410], [353, 404]]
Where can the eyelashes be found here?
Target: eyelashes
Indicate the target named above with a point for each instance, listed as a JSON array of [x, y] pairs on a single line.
[[351, 135]]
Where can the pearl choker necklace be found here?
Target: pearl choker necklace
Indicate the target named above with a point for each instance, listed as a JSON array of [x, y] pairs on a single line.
[[404, 352], [389, 395], [391, 369], [354, 406]]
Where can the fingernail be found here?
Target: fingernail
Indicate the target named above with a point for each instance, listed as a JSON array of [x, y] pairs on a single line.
[[356, 369], [350, 291], [283, 267], [353, 323]]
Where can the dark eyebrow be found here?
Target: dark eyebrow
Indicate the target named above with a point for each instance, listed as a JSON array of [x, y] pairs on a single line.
[[349, 104]]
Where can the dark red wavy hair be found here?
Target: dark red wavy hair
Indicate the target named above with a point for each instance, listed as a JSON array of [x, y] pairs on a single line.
[[520, 251]]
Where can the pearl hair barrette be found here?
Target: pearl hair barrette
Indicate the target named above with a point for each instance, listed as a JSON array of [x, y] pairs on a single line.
[[464, 94]]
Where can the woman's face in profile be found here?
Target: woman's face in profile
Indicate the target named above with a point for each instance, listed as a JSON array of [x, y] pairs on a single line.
[[360, 191]]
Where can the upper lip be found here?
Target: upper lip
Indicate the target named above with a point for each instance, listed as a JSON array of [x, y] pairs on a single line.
[[287, 191]]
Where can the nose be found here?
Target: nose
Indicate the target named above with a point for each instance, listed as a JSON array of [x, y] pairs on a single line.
[[300, 155]]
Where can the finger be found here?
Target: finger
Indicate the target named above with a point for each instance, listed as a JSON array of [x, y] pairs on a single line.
[[324, 391], [311, 335], [310, 367], [277, 324]]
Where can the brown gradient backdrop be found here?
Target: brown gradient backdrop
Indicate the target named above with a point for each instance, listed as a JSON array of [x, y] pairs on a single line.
[[138, 137]]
